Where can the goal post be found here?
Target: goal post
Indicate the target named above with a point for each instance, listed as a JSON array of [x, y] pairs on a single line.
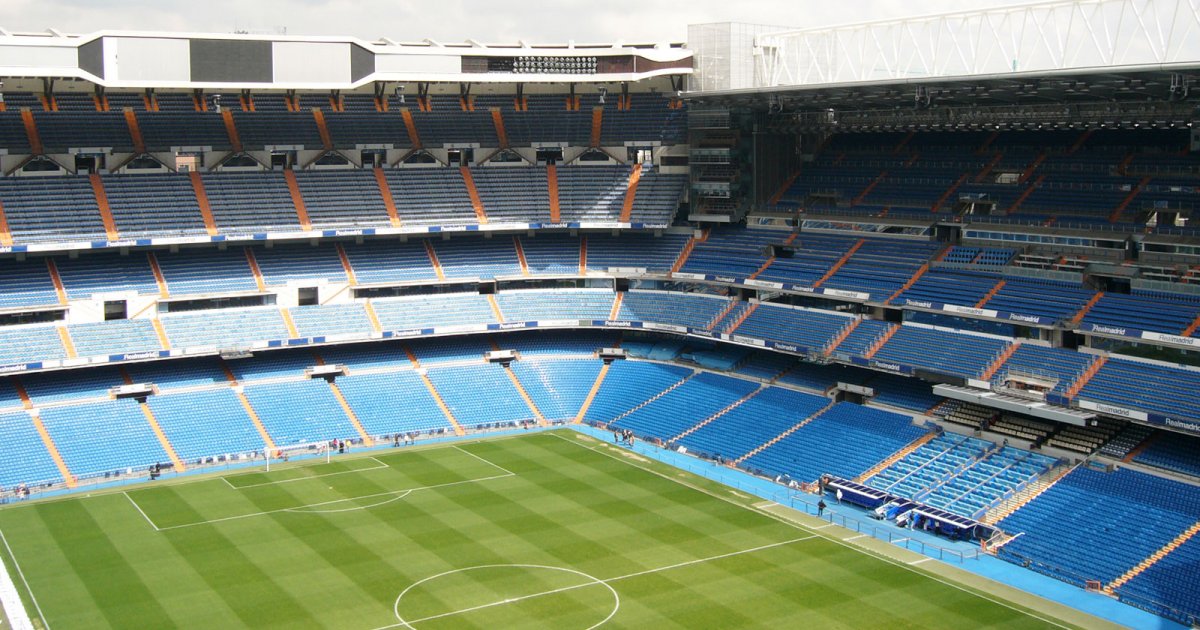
[[306, 450]]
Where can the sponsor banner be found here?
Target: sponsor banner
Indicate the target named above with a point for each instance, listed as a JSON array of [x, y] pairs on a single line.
[[889, 366], [801, 289], [689, 276], [19, 367], [1113, 410], [963, 310], [854, 295], [923, 304], [342, 337], [361, 232], [13, 249], [558, 323], [612, 323], [763, 284], [1177, 423], [725, 279], [462, 329], [302, 341], [408, 332], [700, 332], [1026, 319], [76, 362], [200, 350], [512, 326], [1113, 330], [1173, 339], [129, 242], [787, 347], [978, 384], [56, 247], [138, 356], [683, 330], [747, 340], [859, 361]]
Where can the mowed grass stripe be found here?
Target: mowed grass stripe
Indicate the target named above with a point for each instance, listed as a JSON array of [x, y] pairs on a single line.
[[565, 506], [113, 584]]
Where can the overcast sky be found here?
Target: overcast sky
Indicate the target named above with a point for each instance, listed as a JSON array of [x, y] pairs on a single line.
[[488, 21]]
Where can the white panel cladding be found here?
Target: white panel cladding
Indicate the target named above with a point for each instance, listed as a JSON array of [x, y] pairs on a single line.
[[311, 62], [419, 64], [147, 59]]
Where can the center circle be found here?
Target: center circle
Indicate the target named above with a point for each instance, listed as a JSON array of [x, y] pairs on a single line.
[[485, 576]]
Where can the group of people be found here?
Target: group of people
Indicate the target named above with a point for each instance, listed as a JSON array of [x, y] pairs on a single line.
[[19, 492], [623, 436], [406, 438]]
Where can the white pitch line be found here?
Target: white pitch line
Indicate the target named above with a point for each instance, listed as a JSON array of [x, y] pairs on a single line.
[[921, 561], [489, 463], [857, 537], [323, 503], [832, 538], [272, 483], [21, 573], [139, 509], [351, 509], [598, 581], [817, 529]]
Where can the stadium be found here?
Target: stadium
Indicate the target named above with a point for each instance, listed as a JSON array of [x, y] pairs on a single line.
[[890, 323]]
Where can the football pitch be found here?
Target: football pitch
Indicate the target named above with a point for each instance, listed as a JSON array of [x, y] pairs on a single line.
[[547, 530]]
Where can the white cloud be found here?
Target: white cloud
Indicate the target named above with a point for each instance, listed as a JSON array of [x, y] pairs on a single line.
[[490, 21]]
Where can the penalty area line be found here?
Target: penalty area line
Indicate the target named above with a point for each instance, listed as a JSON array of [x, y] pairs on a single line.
[[597, 582], [20, 614], [226, 478]]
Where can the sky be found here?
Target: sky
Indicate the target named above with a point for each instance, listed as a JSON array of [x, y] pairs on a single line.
[[486, 21]]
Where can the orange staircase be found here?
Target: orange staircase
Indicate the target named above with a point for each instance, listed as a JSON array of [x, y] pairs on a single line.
[[235, 140], [1027, 494], [521, 255], [498, 123], [6, 238], [322, 128], [254, 270], [762, 268], [895, 457], [297, 199], [250, 413], [681, 260], [458, 430], [730, 407], [841, 261], [59, 289], [721, 315], [389, 202], [937, 205], [866, 191], [991, 294], [1187, 332], [987, 170], [161, 280], [31, 132], [587, 402], [135, 131], [615, 311], [631, 187], [911, 281], [372, 316], [293, 333], [110, 225], [161, 333], [783, 189], [552, 185], [48, 441], [882, 340], [796, 427], [1087, 375], [162, 438], [1083, 137], [1123, 166], [346, 266], [1025, 195], [999, 361], [1028, 172], [537, 413], [476, 202], [597, 123], [411, 127], [1175, 543], [1078, 317], [491, 299], [729, 328], [903, 141], [582, 255], [65, 338], [987, 142], [210, 223], [1145, 444], [433, 260], [350, 415], [841, 336], [1137, 190]]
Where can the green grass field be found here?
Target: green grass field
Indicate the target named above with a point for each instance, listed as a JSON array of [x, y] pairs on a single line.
[[549, 530]]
